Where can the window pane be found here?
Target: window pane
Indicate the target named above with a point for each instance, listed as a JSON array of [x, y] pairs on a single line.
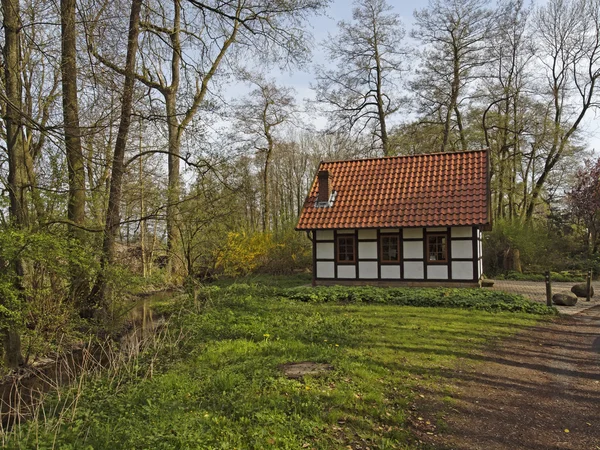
[[389, 248], [346, 249], [436, 248]]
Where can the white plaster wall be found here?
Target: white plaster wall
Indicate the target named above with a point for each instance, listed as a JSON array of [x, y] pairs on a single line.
[[345, 231], [325, 250], [346, 271], [413, 249], [367, 250], [413, 233], [413, 270], [324, 235], [462, 270], [390, 272], [437, 229], [390, 230], [437, 272], [367, 269], [325, 269], [462, 249], [367, 234], [461, 232]]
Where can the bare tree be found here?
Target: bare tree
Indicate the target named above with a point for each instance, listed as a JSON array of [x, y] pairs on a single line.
[[509, 104], [453, 34], [258, 115], [186, 48], [364, 88], [570, 54], [113, 218]]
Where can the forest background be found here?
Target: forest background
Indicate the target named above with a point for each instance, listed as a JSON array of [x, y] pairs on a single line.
[[152, 143]]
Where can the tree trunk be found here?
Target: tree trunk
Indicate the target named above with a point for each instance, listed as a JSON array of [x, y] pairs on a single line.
[[387, 151], [75, 162], [452, 105], [174, 190], [113, 218], [15, 146]]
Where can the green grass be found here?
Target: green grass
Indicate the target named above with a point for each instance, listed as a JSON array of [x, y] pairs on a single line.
[[222, 387], [281, 281]]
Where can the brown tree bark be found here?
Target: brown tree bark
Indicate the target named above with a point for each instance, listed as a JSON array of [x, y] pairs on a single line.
[[75, 162], [15, 146], [98, 306]]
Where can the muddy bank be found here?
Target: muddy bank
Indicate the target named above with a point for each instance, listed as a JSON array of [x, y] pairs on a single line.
[[21, 390]]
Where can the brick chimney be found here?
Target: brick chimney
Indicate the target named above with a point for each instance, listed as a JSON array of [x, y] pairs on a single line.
[[324, 188]]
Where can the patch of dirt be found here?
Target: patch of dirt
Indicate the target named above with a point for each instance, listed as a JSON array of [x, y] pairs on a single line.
[[299, 369], [538, 390]]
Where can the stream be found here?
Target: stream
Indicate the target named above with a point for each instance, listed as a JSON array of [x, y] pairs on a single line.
[[21, 390]]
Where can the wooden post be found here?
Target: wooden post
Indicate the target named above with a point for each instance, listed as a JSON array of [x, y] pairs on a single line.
[[548, 289], [588, 292]]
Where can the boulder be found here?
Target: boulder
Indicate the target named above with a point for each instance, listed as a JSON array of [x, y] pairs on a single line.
[[564, 299], [580, 290]]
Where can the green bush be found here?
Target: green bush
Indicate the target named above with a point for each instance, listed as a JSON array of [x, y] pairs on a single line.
[[426, 297]]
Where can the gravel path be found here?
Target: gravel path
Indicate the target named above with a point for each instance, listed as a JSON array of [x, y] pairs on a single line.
[[536, 290], [538, 390]]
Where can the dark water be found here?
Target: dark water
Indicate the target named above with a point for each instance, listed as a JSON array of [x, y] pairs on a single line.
[[21, 391]]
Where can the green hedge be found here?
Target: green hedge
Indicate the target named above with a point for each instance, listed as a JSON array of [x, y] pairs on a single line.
[[427, 297]]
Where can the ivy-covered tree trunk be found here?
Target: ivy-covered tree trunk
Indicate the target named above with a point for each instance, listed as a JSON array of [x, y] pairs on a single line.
[[15, 146]]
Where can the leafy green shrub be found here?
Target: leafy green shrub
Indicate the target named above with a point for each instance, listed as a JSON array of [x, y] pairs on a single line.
[[425, 297], [535, 243], [42, 303]]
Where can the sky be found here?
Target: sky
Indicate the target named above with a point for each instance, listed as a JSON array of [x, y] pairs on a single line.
[[322, 26]]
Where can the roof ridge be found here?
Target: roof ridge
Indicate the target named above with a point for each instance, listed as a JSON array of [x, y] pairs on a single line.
[[400, 156]]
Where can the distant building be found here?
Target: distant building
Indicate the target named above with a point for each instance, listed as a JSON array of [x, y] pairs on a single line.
[[405, 220]]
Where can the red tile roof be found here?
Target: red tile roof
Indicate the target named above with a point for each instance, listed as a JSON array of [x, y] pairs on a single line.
[[442, 189]]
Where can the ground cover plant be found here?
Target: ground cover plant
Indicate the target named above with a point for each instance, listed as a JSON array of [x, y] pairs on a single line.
[[425, 297], [221, 384]]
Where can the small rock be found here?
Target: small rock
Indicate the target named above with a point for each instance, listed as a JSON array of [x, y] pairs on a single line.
[[299, 369], [564, 299], [580, 290], [487, 283]]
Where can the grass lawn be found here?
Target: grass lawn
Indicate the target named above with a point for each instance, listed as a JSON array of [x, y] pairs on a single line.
[[220, 386]]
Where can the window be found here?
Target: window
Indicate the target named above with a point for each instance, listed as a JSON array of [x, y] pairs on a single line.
[[345, 249], [390, 249], [437, 248]]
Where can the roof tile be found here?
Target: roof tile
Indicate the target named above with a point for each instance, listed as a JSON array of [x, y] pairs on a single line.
[[402, 191]]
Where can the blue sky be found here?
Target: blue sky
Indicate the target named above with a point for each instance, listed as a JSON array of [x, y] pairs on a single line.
[[322, 26]]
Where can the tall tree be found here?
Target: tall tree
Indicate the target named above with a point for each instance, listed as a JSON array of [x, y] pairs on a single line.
[[364, 88], [15, 147], [569, 52], [265, 109], [453, 35], [185, 50], [75, 161], [98, 296], [505, 90]]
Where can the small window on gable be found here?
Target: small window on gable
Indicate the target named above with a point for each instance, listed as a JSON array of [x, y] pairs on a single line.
[[437, 249], [390, 249], [345, 249]]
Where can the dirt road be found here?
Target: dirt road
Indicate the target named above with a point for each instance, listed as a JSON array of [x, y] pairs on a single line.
[[538, 390]]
